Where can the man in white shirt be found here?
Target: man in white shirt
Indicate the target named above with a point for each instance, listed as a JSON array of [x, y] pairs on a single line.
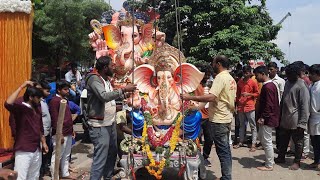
[[278, 81], [314, 120], [73, 75]]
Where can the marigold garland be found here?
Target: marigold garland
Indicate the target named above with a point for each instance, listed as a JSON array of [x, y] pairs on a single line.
[[155, 168]]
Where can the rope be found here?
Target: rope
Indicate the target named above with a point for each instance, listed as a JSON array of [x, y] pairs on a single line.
[[131, 156], [155, 27], [178, 27], [132, 69]]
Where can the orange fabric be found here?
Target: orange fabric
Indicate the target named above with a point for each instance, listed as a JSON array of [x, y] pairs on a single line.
[[204, 112], [15, 63], [247, 103]]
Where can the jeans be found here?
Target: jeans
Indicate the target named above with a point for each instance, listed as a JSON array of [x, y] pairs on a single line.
[[315, 140], [208, 140], [104, 140], [284, 138], [220, 133], [248, 117], [265, 136]]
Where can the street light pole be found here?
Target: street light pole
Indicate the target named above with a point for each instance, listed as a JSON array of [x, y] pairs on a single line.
[[289, 53]]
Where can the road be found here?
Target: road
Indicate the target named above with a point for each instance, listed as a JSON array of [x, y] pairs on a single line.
[[244, 164]]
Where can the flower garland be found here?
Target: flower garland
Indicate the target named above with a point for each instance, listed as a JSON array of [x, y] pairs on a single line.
[[155, 168], [15, 6]]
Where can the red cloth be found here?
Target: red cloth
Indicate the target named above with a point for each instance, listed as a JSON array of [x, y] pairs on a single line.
[[306, 80], [54, 106], [5, 152], [247, 103]]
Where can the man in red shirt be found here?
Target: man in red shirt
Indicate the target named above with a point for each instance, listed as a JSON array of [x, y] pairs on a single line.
[[29, 131], [247, 92]]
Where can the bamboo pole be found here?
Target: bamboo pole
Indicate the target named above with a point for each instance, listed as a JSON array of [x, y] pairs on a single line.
[[59, 136]]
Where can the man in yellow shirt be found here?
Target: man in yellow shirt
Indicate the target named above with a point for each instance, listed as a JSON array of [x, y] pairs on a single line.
[[221, 100]]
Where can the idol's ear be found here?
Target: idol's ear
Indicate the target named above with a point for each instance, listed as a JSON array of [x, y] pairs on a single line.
[[112, 36], [145, 79], [189, 79]]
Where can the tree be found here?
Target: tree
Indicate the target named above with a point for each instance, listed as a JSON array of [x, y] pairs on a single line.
[[61, 29], [235, 28]]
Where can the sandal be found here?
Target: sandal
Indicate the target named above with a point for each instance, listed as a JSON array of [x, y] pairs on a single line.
[[74, 170], [69, 177], [253, 149], [304, 157], [237, 146], [264, 168]]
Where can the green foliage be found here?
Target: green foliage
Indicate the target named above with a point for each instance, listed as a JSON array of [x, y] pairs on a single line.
[[159, 150], [148, 117], [235, 28], [61, 29]]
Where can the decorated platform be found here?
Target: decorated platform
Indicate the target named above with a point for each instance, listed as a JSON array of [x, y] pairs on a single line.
[[165, 128]]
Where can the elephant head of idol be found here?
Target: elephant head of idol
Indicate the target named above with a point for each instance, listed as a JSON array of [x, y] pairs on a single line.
[[161, 82], [130, 40]]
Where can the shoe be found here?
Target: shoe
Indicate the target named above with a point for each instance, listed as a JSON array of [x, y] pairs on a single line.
[[207, 163]]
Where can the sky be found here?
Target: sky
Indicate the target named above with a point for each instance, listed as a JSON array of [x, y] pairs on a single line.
[[302, 29]]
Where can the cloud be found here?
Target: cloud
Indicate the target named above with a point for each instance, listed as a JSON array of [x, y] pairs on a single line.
[[302, 30], [116, 4]]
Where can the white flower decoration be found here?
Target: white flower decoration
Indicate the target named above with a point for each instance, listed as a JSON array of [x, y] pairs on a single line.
[[16, 6]]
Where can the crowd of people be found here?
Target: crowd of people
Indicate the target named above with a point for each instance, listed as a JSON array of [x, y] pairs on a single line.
[[261, 98], [255, 96], [34, 118]]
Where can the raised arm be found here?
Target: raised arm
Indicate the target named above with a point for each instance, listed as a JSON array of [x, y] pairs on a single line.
[[14, 95]]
